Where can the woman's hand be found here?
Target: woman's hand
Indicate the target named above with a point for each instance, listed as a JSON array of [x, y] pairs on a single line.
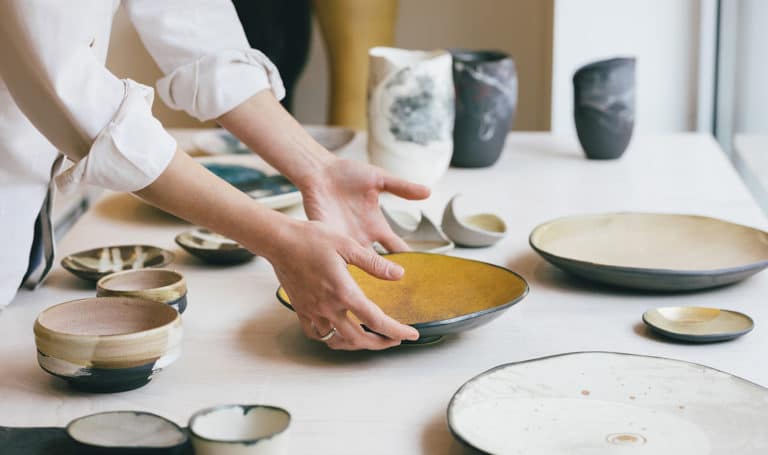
[[344, 195], [310, 260]]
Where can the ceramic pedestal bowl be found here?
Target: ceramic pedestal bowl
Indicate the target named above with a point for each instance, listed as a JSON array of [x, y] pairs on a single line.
[[131, 432], [239, 430], [94, 264], [479, 230], [160, 285], [213, 248], [440, 295], [107, 344]]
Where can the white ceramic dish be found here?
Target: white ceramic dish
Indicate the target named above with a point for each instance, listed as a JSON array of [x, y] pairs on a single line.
[[128, 430], [479, 230], [653, 251], [420, 234], [698, 324], [609, 403], [239, 430], [275, 196]]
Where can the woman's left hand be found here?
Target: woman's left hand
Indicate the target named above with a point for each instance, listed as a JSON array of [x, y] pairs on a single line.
[[345, 196]]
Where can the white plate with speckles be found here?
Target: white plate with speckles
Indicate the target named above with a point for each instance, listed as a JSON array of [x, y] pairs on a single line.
[[594, 403]]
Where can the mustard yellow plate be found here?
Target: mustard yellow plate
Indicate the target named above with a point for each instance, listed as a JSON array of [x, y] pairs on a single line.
[[440, 295]]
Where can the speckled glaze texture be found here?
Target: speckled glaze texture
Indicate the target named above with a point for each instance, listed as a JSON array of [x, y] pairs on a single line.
[[604, 107], [486, 100], [410, 113]]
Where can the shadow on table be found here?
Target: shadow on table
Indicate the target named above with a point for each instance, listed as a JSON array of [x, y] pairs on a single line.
[[61, 279], [437, 438], [292, 345], [126, 208]]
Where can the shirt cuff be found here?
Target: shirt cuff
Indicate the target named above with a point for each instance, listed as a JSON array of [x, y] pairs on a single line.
[[129, 153], [215, 84]]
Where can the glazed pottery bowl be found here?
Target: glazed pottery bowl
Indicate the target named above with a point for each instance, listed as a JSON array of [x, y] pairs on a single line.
[[439, 294], [94, 264], [127, 432], [239, 430], [213, 248], [698, 324], [479, 230], [160, 285], [653, 251], [107, 344]]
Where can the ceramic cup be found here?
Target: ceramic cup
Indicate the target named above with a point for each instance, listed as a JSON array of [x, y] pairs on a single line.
[[604, 107], [486, 99], [107, 344], [239, 430], [410, 112], [160, 285]]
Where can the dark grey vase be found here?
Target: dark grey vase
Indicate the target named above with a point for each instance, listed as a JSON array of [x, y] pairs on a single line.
[[604, 107], [486, 99]]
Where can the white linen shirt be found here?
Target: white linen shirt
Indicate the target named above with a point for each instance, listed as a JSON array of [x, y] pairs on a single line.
[[56, 95]]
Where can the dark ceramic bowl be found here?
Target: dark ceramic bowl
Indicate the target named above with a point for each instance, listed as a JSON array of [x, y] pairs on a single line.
[[91, 265], [213, 248], [159, 285], [128, 432]]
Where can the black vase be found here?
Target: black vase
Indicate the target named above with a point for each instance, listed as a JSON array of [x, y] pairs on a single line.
[[281, 30], [604, 107], [486, 99]]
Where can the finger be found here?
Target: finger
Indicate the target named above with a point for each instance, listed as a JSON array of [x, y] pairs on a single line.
[[375, 319], [404, 188], [350, 335], [372, 263], [308, 327], [392, 242]]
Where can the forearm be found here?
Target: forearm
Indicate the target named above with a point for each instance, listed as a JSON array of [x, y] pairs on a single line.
[[266, 127], [189, 191]]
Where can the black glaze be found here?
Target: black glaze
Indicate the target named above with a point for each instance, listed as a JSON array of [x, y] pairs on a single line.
[[179, 304], [252, 181], [55, 441], [219, 256], [86, 448], [604, 107], [108, 380], [161, 259], [486, 101]]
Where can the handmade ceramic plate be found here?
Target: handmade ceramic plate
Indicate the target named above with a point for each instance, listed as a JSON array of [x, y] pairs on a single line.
[[609, 403], [660, 252], [212, 247], [253, 176], [94, 264], [222, 142], [440, 295], [130, 431], [698, 324]]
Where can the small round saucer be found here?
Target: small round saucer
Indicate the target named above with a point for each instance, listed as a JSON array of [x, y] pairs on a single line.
[[94, 264], [213, 248], [698, 324]]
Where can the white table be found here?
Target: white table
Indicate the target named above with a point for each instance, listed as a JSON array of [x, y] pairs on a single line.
[[241, 346]]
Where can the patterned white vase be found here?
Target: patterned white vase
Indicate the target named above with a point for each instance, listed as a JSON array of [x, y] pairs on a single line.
[[410, 112]]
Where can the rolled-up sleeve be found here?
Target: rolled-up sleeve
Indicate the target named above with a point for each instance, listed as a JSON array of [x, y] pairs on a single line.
[[103, 124], [201, 48]]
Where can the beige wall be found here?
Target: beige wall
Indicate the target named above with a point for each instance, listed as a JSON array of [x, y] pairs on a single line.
[[522, 28]]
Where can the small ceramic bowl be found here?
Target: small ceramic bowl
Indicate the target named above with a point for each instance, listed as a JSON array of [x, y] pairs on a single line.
[[213, 248], [94, 264], [698, 324], [107, 344], [160, 285], [420, 234], [484, 229], [127, 432], [239, 430]]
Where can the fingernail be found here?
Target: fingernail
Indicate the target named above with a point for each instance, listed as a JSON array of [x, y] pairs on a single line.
[[396, 270]]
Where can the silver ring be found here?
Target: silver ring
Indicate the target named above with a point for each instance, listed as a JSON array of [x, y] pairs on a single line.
[[329, 335]]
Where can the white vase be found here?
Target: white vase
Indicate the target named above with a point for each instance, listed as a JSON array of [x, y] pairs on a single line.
[[410, 113]]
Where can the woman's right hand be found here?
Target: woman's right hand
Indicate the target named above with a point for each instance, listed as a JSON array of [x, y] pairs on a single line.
[[310, 261]]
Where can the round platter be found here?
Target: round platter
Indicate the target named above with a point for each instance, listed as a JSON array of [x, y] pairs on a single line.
[[609, 403], [652, 251]]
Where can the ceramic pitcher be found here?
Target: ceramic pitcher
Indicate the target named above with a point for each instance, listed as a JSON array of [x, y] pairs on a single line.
[[604, 106], [410, 113], [486, 98]]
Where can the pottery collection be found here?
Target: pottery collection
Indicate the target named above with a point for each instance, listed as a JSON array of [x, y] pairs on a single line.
[[486, 99], [604, 107], [411, 112]]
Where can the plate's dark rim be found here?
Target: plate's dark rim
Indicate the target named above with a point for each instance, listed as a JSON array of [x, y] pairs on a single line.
[[648, 271], [168, 257], [99, 446], [246, 408], [709, 337], [457, 319], [505, 365]]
